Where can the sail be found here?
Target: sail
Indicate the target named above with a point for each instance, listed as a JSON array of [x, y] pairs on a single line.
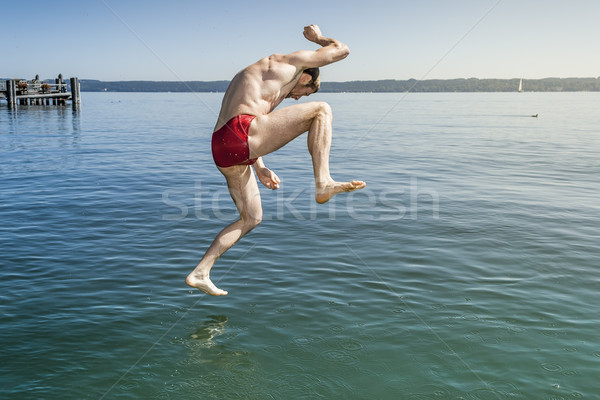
[[521, 86]]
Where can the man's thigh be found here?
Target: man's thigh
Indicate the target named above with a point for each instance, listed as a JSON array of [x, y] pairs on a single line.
[[272, 131]]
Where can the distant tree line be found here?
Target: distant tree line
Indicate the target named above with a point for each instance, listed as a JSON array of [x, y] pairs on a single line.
[[467, 85], [88, 85], [382, 86]]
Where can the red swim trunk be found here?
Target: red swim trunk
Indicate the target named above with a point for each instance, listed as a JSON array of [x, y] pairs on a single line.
[[230, 143]]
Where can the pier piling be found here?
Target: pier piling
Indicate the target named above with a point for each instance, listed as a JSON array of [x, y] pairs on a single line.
[[11, 93], [75, 93]]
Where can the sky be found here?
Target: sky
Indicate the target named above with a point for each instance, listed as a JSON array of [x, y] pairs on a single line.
[[199, 40]]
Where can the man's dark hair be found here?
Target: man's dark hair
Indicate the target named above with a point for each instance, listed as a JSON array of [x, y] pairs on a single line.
[[315, 82]]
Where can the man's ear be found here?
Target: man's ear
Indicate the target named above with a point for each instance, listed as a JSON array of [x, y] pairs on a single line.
[[304, 79]]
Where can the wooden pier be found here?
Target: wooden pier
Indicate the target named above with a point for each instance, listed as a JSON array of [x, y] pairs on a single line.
[[34, 92]]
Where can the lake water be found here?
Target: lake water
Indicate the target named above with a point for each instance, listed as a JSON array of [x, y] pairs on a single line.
[[467, 269]]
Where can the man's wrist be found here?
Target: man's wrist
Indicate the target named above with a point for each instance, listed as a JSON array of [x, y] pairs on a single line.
[[323, 41]]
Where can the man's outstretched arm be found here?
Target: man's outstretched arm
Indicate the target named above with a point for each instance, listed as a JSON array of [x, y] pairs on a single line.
[[332, 50]]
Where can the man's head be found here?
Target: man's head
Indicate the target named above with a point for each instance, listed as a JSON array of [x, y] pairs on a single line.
[[315, 81], [308, 84]]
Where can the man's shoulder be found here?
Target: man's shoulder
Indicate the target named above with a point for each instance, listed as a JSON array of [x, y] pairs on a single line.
[[295, 59], [271, 67], [276, 57], [272, 60]]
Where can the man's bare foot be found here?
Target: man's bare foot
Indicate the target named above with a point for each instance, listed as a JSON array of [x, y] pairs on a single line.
[[324, 193], [204, 284]]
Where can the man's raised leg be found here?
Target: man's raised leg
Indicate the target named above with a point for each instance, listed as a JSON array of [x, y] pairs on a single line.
[[244, 192], [272, 131]]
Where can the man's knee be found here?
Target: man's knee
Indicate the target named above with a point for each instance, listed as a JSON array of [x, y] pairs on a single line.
[[322, 109], [251, 223], [253, 219]]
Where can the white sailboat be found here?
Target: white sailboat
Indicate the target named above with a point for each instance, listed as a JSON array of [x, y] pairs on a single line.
[[521, 86]]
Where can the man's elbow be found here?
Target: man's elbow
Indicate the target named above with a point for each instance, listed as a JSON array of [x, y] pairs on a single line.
[[343, 51]]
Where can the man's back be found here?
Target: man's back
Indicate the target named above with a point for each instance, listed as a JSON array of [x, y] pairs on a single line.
[[259, 88]]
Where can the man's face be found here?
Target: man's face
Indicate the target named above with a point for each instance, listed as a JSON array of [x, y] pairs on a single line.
[[300, 91]]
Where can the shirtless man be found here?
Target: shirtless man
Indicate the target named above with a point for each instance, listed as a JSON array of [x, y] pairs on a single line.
[[248, 128]]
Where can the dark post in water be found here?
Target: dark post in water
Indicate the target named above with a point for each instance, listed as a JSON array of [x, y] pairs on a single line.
[[75, 93], [11, 93]]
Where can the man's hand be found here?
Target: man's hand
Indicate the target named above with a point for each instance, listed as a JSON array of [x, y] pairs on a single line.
[[312, 33], [267, 178], [336, 50]]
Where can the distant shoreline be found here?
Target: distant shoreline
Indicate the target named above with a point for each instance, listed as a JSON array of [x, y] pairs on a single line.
[[470, 85], [379, 86]]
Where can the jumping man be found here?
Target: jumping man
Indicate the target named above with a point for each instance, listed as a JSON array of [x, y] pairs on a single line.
[[248, 128]]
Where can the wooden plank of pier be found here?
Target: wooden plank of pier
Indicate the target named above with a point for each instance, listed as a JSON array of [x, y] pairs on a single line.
[[66, 96]]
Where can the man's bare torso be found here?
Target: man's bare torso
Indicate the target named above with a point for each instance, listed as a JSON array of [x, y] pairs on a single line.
[[259, 88]]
